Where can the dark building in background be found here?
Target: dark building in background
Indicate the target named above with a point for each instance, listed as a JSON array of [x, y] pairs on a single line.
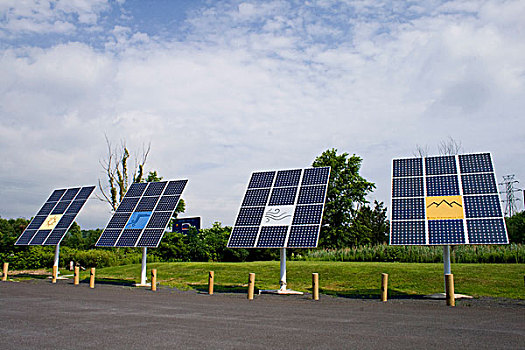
[[182, 225]]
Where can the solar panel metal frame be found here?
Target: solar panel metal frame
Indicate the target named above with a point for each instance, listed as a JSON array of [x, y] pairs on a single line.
[[149, 237], [472, 218], [247, 230], [58, 227]]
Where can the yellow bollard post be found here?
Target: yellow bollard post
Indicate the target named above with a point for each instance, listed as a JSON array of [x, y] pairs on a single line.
[[77, 275], [55, 270], [315, 286], [384, 286], [6, 267], [251, 285], [449, 282], [210, 282], [92, 278], [154, 280]]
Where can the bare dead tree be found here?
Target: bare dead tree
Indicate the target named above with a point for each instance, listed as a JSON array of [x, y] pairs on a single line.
[[115, 167], [450, 147], [421, 151]]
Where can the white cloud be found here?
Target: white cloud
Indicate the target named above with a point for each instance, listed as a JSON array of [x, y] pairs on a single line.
[[263, 85]]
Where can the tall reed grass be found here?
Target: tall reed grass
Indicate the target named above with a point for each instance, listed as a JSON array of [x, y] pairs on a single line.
[[512, 253]]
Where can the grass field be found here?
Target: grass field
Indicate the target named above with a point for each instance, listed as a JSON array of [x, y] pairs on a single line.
[[350, 279]]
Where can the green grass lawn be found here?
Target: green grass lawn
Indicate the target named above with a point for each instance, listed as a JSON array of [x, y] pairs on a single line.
[[355, 279]]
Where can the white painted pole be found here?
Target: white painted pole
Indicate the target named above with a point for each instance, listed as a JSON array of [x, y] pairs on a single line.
[[283, 269], [143, 275], [57, 254], [446, 264]]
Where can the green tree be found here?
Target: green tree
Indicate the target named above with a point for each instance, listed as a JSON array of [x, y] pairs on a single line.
[[370, 226], [516, 227], [347, 192]]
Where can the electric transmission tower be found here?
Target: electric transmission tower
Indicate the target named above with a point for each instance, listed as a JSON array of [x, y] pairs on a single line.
[[510, 201]]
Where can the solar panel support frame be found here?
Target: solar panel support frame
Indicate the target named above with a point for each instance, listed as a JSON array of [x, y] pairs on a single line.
[[282, 281], [143, 270]]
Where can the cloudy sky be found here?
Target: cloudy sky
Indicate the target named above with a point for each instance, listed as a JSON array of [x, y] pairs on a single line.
[[223, 88]]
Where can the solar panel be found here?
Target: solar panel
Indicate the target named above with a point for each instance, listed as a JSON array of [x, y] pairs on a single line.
[[143, 214], [54, 218], [281, 209], [446, 200]]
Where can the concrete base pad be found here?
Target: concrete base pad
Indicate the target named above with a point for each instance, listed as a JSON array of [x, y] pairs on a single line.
[[280, 291], [444, 296], [142, 285]]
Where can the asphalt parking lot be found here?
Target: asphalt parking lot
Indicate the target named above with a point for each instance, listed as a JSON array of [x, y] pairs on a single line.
[[37, 314]]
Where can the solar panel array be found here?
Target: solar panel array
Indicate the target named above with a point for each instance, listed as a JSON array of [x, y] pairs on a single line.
[[446, 200], [143, 214], [51, 223], [281, 209]]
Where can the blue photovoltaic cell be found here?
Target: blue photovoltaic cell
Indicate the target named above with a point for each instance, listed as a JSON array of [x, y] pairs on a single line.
[[65, 221], [257, 197], [56, 195], [303, 236], [143, 214], [408, 167], [283, 196], [175, 188], [308, 214], [128, 204], [482, 206], [155, 188], [311, 194], [262, 179], [272, 236], [46, 208], [146, 204], [475, 163], [407, 187], [108, 238], [479, 184], [243, 236], [446, 232], [167, 203], [55, 237], [70, 194], [118, 220], [250, 216], [288, 178], [75, 207], [84, 193], [281, 203], [136, 189], [159, 220], [440, 165], [407, 232], [36, 222], [408, 208], [442, 185], [61, 207], [150, 238], [59, 203], [128, 238], [26, 237], [487, 231], [40, 237], [138, 220], [316, 176]]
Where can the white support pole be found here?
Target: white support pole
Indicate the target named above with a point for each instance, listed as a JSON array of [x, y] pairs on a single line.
[[446, 264], [283, 269], [57, 254], [143, 275]]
